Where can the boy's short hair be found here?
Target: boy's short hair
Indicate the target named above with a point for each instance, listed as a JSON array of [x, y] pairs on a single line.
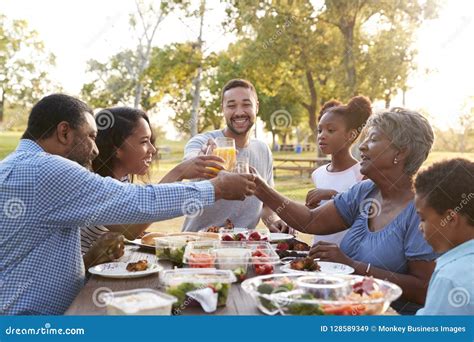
[[448, 185], [236, 83]]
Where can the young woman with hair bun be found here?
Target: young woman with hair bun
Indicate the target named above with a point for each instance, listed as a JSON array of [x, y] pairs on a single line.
[[339, 127]]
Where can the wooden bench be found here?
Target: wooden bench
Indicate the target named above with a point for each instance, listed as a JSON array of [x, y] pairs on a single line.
[[302, 165]]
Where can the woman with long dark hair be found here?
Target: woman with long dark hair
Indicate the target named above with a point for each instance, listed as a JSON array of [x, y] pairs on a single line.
[[126, 149]]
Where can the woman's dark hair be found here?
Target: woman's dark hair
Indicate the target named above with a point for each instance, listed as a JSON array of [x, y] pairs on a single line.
[[50, 111], [114, 126], [354, 114], [448, 185]]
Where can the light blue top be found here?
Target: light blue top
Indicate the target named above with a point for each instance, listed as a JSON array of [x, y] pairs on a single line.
[[451, 289], [389, 248], [44, 199]]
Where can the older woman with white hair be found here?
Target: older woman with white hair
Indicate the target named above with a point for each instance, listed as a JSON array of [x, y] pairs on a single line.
[[383, 239]]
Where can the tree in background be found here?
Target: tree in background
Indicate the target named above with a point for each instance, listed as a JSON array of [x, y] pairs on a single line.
[[122, 79], [24, 64]]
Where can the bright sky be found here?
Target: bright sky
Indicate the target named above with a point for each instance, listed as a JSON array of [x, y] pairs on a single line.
[[76, 31]]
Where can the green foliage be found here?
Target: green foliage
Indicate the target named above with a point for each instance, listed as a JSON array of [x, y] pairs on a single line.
[[24, 62]]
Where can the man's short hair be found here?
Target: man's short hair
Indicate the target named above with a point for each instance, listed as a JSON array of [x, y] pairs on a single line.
[[50, 111], [236, 83]]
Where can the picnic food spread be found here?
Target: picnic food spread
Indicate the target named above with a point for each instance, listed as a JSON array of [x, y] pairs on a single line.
[[209, 261]]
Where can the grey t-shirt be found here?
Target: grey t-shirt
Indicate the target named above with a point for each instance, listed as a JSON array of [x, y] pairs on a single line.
[[244, 214]]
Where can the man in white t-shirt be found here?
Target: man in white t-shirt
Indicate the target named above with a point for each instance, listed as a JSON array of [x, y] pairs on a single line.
[[240, 107]]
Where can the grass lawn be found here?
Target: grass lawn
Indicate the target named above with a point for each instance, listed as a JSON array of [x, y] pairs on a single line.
[[287, 182]]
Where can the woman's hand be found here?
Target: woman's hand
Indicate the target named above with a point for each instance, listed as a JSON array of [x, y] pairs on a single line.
[[315, 196], [329, 252], [201, 167]]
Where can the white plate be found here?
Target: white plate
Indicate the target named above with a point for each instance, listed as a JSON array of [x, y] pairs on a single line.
[[119, 270], [280, 236], [326, 267]]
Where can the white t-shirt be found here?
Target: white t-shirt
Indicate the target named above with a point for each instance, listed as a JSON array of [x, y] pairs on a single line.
[[244, 214], [340, 182]]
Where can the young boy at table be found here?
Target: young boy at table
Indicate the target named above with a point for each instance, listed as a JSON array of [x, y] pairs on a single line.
[[445, 203]]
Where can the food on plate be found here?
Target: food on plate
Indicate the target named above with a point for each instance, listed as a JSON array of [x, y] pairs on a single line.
[[140, 265], [260, 262], [304, 264], [293, 245]]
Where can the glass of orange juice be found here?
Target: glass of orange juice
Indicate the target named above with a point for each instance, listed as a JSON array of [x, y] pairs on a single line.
[[225, 148]]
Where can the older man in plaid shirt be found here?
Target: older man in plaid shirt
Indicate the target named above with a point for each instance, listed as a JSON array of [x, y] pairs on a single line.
[[46, 195]]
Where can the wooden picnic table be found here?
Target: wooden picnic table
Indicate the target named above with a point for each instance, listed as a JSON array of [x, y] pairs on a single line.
[[298, 164], [238, 302]]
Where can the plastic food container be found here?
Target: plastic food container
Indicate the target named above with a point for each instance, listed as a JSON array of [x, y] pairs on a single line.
[[261, 288], [178, 282], [325, 287], [138, 302], [238, 256], [172, 247], [301, 300]]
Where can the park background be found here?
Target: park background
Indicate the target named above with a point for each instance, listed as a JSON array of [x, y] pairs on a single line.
[[172, 58]]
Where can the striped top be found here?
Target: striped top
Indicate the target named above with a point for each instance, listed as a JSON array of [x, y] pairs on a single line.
[[90, 233]]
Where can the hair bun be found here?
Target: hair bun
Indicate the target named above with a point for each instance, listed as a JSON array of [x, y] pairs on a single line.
[[360, 106], [329, 104]]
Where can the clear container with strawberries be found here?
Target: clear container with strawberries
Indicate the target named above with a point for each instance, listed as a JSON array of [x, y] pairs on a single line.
[[241, 257], [244, 234]]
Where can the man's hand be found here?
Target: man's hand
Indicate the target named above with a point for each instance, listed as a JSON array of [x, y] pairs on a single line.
[[233, 186], [108, 247], [315, 196]]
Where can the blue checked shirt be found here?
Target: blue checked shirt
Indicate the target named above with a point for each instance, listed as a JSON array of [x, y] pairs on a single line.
[[44, 199]]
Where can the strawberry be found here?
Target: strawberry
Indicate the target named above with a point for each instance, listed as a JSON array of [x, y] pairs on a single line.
[[227, 237], [255, 236], [239, 237]]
